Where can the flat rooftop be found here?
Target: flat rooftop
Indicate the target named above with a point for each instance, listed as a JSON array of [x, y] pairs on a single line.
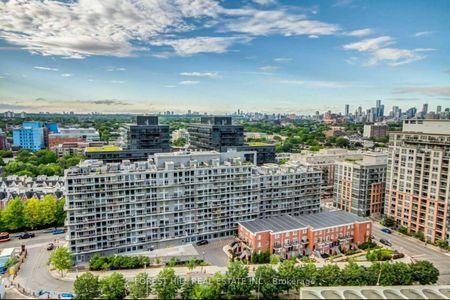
[[316, 221]]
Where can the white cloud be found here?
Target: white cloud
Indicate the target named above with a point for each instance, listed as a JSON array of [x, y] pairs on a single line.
[[370, 44], [360, 32], [282, 59], [378, 51], [45, 68], [201, 74], [434, 91], [190, 46], [423, 33], [114, 69], [77, 29], [170, 86], [313, 36], [118, 81], [259, 22], [189, 82], [265, 2], [315, 83], [269, 68], [66, 75]]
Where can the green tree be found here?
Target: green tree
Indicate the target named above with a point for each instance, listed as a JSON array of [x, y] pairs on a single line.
[[13, 215], [2, 162], [274, 259], [86, 287], [180, 142], [60, 214], [113, 287], [237, 281], [287, 271], [328, 275], [353, 274], [424, 272], [48, 210], [166, 284], [140, 287], [342, 142], [191, 263], [265, 282], [214, 287], [388, 221], [61, 259], [32, 213], [188, 288]]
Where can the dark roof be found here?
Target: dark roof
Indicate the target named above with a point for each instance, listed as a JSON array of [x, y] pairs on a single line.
[[316, 221]]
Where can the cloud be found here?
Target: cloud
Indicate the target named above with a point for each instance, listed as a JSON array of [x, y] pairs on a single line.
[[313, 36], [265, 2], [189, 82], [114, 69], [269, 68], [315, 83], [45, 68], [190, 46], [360, 32], [342, 3], [111, 102], [423, 33], [281, 22], [170, 86], [66, 75], [378, 51], [434, 91], [370, 44], [201, 74], [282, 59], [117, 81], [76, 29]]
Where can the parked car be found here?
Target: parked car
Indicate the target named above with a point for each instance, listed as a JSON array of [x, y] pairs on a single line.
[[202, 242], [50, 246], [58, 231], [385, 242], [4, 237], [26, 235], [386, 230]]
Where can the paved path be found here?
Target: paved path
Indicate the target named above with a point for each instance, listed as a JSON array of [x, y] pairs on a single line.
[[417, 250]]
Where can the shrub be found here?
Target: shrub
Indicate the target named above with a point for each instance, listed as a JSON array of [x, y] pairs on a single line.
[[403, 230], [11, 261], [117, 262]]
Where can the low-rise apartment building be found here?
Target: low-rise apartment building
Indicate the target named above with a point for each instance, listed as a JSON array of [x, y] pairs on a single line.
[[418, 178], [359, 184], [176, 198], [328, 233]]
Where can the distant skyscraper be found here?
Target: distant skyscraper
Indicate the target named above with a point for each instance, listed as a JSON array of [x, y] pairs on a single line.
[[438, 109], [425, 109], [347, 108]]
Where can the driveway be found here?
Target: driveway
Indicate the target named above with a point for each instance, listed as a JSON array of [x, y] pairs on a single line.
[[213, 252]]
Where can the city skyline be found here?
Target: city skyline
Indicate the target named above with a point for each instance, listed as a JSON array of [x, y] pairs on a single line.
[[261, 55]]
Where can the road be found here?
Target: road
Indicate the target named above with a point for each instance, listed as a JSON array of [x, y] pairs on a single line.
[[34, 274], [417, 250]]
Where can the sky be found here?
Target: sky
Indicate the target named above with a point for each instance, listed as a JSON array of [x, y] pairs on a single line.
[[219, 56]]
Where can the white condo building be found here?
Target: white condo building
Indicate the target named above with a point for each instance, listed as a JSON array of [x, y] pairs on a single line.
[[176, 198]]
